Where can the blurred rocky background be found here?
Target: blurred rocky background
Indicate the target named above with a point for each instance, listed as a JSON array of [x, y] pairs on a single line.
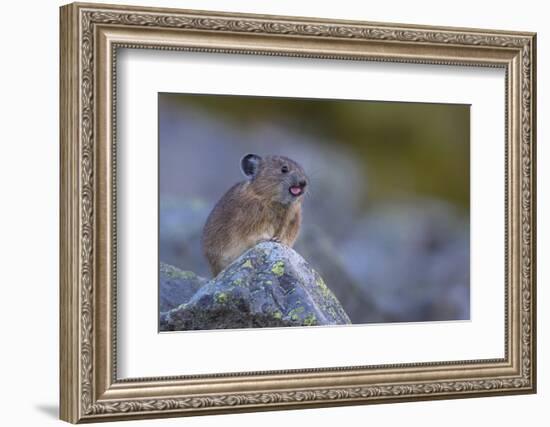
[[386, 221]]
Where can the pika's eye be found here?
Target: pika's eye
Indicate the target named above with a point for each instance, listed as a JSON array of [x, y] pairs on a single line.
[[284, 169]]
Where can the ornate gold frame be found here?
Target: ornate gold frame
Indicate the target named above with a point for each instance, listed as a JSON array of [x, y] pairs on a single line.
[[90, 36]]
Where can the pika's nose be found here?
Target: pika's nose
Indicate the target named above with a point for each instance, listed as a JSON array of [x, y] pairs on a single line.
[[302, 183]]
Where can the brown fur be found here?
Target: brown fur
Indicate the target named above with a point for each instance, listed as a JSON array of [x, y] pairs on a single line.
[[256, 210]]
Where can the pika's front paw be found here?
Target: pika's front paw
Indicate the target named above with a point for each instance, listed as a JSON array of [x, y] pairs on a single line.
[[276, 240]]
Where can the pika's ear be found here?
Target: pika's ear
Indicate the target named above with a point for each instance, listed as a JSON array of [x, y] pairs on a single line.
[[250, 164]]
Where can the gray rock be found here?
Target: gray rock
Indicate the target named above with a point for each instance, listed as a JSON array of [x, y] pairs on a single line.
[[413, 258], [180, 228], [176, 286], [270, 285], [316, 247]]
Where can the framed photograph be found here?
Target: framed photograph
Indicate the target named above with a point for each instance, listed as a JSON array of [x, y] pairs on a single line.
[[266, 212]]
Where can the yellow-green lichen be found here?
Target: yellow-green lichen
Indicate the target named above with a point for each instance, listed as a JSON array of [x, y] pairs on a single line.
[[323, 286], [295, 312], [176, 273], [221, 298], [188, 275], [278, 268], [277, 315], [310, 320], [247, 264]]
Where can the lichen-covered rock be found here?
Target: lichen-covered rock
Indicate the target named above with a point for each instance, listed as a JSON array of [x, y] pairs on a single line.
[[270, 285], [176, 286]]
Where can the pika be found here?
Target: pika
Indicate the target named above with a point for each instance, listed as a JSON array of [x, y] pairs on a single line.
[[266, 206]]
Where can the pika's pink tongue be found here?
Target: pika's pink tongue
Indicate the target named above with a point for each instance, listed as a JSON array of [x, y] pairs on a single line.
[[296, 190]]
